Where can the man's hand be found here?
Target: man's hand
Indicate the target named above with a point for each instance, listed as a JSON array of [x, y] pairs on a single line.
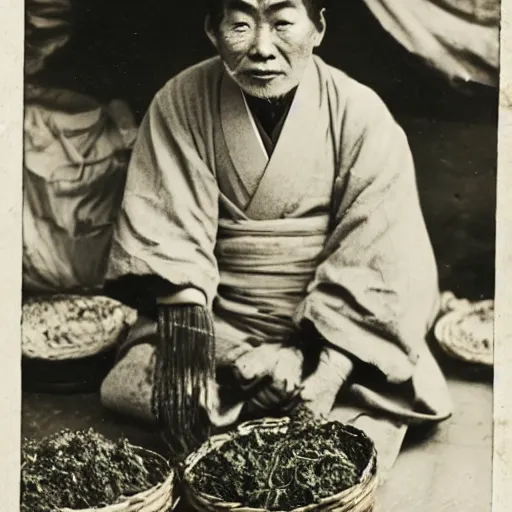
[[274, 367], [321, 388]]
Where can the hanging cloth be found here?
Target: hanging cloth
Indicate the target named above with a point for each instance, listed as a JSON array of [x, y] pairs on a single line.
[[459, 38], [75, 159]]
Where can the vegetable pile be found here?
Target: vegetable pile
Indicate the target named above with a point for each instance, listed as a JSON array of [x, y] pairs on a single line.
[[276, 471], [82, 470]]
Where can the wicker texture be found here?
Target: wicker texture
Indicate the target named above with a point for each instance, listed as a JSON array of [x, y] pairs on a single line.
[[159, 498], [465, 330], [64, 327], [359, 498]]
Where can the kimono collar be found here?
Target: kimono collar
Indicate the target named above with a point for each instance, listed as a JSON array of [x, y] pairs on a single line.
[[270, 114], [271, 181]]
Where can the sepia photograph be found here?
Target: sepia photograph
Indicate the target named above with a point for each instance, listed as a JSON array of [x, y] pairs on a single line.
[[257, 256]]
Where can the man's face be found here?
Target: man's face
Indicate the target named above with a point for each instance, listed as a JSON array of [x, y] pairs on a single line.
[[266, 44]]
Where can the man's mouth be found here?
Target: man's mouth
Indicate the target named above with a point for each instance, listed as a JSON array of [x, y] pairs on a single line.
[[263, 74]]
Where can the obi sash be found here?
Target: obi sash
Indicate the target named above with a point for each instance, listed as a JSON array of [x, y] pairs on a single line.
[[265, 268]]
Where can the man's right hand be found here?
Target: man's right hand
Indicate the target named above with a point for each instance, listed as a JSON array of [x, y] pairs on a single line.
[[275, 369]]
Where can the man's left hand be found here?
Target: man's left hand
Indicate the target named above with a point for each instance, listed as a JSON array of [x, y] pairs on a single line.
[[322, 387]]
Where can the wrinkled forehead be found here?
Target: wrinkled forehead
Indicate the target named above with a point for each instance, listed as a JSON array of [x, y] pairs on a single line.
[[263, 5]]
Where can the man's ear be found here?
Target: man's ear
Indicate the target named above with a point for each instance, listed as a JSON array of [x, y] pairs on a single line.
[[321, 29], [210, 31]]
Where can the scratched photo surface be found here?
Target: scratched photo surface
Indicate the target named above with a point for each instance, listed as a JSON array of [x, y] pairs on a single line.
[[291, 204]]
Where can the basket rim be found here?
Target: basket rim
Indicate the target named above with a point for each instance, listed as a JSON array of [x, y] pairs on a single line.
[[76, 353], [459, 351], [368, 476], [124, 501]]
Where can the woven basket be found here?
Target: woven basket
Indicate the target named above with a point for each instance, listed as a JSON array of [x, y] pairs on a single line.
[[159, 498], [465, 330], [359, 498], [66, 327]]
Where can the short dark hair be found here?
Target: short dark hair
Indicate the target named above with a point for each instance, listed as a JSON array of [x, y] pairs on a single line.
[[214, 9]]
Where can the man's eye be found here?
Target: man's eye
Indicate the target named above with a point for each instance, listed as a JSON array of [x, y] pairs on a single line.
[[241, 27], [283, 24]]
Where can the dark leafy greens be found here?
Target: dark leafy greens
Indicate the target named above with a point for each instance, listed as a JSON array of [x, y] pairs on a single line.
[[83, 469], [276, 471]]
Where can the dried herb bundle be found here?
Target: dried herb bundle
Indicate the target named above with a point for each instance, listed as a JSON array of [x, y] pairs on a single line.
[[81, 470], [185, 365], [276, 471]]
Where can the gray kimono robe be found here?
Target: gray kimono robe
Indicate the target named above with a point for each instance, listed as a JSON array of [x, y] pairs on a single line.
[[328, 228]]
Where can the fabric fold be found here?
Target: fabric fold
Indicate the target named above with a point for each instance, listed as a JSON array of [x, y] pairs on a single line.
[[168, 220]]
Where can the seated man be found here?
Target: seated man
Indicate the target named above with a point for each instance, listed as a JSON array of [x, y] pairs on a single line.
[[271, 231]]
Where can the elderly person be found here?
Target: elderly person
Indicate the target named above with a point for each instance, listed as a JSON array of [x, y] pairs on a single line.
[[272, 235]]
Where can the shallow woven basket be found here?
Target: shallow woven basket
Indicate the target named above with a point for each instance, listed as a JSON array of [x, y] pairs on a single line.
[[359, 498], [159, 498], [64, 327], [458, 340]]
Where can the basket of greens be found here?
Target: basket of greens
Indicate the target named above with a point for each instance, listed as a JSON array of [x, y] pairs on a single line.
[[465, 330], [69, 342], [289, 464], [83, 471]]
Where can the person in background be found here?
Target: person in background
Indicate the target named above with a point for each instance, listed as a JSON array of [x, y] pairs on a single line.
[[271, 238]]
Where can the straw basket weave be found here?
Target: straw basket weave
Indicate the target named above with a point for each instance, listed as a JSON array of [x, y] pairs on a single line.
[[359, 498], [159, 498], [69, 327], [465, 331]]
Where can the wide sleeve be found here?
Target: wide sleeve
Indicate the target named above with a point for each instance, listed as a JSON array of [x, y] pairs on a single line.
[[167, 225], [375, 290]]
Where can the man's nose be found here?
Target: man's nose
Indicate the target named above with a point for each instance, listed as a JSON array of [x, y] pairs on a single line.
[[263, 46]]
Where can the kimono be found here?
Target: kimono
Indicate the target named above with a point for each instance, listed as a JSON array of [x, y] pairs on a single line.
[[327, 228]]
